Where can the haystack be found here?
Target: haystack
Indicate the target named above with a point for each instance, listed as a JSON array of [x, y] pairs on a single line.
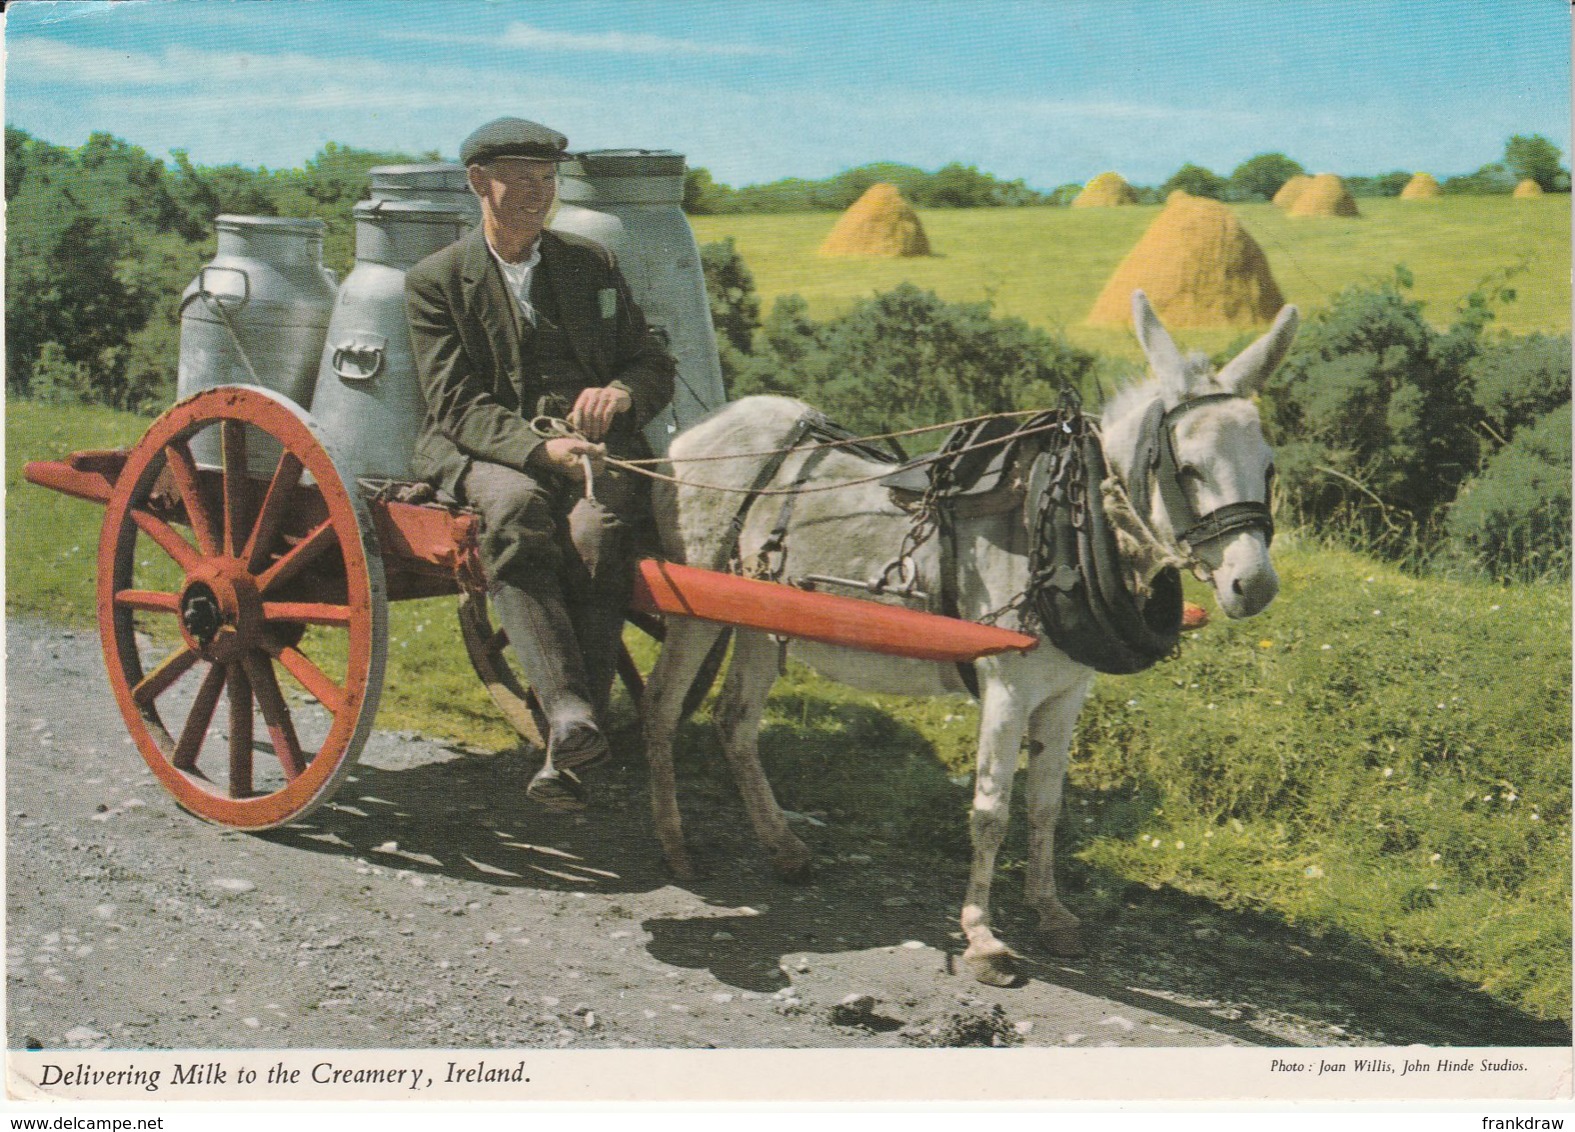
[[1292, 189], [1325, 195], [879, 223], [1528, 188], [1199, 267], [1105, 191], [1422, 186]]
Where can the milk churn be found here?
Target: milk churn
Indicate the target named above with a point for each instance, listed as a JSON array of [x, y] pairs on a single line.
[[256, 315], [368, 398], [437, 182], [630, 201]]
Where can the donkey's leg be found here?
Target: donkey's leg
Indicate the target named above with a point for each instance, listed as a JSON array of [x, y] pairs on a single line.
[[739, 709], [1000, 738], [661, 709], [1049, 741]]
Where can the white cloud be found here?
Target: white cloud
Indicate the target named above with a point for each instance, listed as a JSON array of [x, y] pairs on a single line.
[[39, 59], [529, 38], [615, 42]]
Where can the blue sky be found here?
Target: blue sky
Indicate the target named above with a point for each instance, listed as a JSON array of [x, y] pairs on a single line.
[[1049, 91]]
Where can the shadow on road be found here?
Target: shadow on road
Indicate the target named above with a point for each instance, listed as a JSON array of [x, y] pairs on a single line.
[[468, 819]]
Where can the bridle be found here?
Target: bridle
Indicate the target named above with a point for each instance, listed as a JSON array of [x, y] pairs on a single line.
[[1155, 461]]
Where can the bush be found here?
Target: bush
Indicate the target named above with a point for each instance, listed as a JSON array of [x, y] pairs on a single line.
[[1373, 407], [1520, 379], [906, 357], [735, 307], [1513, 521]]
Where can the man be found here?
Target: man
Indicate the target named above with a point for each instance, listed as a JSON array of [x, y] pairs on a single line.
[[510, 323]]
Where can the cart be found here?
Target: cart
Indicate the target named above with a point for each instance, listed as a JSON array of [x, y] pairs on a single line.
[[216, 581]]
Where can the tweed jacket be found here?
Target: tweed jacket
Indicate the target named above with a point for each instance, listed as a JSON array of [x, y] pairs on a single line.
[[465, 330]]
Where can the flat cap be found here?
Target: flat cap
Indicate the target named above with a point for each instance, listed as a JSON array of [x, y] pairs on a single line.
[[512, 137]]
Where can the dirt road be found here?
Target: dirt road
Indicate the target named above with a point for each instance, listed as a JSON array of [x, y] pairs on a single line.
[[430, 905]]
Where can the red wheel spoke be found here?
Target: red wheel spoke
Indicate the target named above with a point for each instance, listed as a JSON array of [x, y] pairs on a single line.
[[162, 678], [312, 612], [275, 713], [275, 505], [299, 556], [240, 732], [237, 487], [312, 678], [184, 470], [168, 538], [150, 601], [196, 729]]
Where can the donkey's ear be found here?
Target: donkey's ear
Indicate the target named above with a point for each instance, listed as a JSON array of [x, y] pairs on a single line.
[[1248, 370], [1163, 356]]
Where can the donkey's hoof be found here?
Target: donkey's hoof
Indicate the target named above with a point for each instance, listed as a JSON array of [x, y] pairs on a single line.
[[682, 867], [1060, 934], [794, 864], [993, 966]]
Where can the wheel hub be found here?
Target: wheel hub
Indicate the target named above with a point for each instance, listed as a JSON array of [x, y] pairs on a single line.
[[221, 612], [200, 615]]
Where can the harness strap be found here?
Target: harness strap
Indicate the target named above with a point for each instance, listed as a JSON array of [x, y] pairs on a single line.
[[776, 541], [768, 471]]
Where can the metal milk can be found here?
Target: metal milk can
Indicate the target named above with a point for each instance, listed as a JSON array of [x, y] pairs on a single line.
[[630, 200], [256, 315], [368, 398], [437, 182]]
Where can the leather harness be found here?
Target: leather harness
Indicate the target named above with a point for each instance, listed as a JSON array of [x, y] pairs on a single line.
[[1075, 587], [1156, 460]]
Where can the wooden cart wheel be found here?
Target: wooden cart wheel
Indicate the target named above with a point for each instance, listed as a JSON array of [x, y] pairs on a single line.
[[487, 648], [280, 577]]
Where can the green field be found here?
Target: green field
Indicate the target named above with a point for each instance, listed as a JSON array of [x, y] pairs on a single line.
[[1047, 265], [1380, 760]]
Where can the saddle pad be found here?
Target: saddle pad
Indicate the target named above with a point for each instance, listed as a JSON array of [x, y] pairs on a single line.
[[968, 463]]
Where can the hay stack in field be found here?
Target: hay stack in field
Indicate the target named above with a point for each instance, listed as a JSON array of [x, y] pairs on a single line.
[[1528, 188], [1105, 191], [1292, 189], [1325, 195], [1199, 267], [879, 223], [1422, 186]]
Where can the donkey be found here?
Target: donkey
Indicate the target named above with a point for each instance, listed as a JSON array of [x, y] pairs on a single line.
[[1212, 515]]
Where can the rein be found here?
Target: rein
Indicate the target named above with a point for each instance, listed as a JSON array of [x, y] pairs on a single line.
[[1155, 460]]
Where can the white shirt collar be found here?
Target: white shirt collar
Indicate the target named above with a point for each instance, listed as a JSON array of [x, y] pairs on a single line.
[[525, 264]]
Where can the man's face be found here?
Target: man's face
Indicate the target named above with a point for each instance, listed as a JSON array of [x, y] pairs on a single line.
[[516, 192]]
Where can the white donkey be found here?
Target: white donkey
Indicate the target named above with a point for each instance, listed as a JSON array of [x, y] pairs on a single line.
[[1219, 465]]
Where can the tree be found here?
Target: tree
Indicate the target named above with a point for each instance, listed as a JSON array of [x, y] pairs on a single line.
[[1492, 179], [1537, 158], [735, 307], [1196, 180], [1260, 177], [703, 195], [1383, 185]]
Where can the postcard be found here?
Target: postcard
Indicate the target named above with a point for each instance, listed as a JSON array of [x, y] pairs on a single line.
[[978, 553]]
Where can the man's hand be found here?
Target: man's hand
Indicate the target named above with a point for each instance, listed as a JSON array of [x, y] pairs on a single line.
[[595, 409], [562, 454]]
